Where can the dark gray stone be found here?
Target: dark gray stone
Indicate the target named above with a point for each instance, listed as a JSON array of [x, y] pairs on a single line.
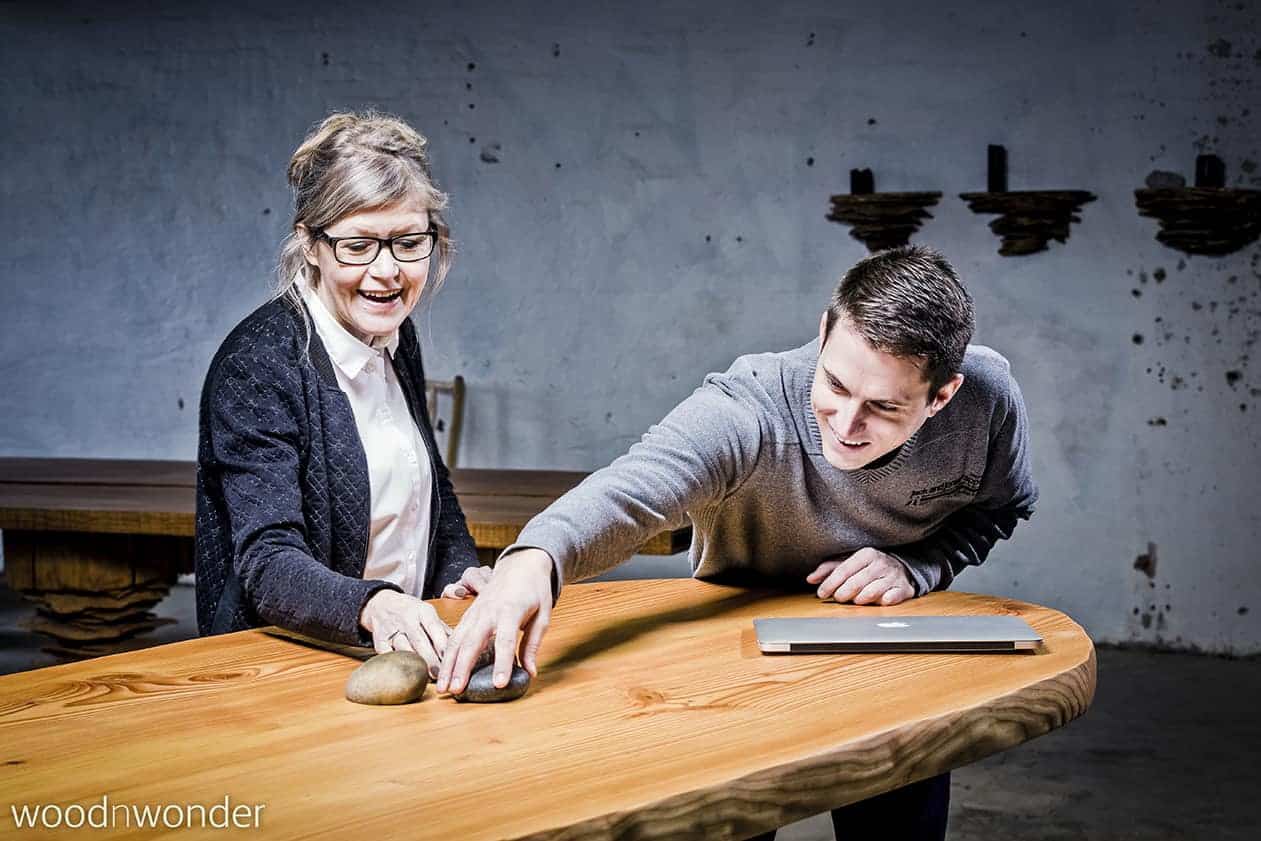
[[481, 686], [396, 677]]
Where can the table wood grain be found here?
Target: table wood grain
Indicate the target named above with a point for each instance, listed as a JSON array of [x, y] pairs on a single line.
[[655, 716]]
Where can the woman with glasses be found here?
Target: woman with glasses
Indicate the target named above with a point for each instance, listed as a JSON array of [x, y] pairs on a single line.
[[323, 505]]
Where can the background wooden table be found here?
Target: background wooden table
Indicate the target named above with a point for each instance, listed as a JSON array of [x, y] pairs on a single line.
[[107, 496], [97, 543], [655, 716]]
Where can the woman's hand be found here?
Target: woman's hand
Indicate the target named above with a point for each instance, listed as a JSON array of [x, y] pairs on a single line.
[[399, 622], [472, 581]]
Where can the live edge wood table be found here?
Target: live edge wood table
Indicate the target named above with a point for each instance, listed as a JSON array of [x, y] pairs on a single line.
[[654, 716], [96, 543]]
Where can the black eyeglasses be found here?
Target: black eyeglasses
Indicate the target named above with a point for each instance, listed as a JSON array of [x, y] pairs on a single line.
[[360, 251]]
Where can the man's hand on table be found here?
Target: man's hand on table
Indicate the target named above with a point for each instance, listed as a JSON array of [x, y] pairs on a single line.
[[868, 576], [399, 622], [517, 597]]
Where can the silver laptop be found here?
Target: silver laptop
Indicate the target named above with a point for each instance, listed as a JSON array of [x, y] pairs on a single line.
[[956, 634]]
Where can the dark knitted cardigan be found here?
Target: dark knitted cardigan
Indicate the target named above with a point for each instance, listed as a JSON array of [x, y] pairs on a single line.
[[283, 498]]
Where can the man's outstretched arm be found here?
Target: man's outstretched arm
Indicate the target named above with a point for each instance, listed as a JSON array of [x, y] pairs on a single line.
[[700, 452]]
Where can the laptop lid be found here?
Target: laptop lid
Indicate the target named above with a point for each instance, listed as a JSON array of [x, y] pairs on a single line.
[[956, 634]]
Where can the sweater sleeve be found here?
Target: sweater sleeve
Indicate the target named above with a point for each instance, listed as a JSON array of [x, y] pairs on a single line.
[[256, 432], [700, 453], [1006, 496]]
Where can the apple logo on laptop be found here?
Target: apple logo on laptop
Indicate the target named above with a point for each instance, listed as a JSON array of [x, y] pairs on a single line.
[[892, 625]]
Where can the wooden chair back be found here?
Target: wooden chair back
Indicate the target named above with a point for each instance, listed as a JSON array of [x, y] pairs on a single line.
[[445, 401]]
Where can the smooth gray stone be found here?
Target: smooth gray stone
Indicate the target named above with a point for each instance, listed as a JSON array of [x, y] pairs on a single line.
[[481, 686], [396, 677]]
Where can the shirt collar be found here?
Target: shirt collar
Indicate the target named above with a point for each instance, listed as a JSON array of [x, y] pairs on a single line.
[[347, 352]]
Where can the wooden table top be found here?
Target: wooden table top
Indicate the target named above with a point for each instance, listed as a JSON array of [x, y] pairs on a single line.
[[98, 471], [654, 716], [117, 496]]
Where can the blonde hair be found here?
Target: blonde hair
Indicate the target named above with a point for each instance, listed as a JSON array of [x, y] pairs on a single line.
[[355, 161]]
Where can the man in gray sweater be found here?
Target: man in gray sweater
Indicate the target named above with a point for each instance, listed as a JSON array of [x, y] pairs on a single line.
[[874, 463]]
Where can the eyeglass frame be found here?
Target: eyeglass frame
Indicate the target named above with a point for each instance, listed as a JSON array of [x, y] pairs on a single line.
[[381, 243]]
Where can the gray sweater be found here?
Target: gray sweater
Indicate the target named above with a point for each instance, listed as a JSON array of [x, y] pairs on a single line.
[[742, 458]]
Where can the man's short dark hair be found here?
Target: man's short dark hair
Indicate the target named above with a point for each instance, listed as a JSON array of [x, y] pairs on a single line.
[[909, 302]]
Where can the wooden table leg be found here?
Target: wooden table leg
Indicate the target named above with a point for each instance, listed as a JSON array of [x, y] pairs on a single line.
[[93, 592]]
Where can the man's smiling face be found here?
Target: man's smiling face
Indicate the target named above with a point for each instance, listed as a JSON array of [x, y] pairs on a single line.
[[868, 402]]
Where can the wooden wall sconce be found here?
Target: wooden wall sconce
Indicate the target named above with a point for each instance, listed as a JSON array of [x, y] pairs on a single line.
[[1028, 219], [880, 220], [1208, 218]]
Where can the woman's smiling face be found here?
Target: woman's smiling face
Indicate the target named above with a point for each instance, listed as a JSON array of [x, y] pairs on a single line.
[[371, 300]]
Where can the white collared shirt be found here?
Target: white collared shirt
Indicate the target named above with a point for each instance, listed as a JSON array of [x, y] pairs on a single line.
[[400, 474]]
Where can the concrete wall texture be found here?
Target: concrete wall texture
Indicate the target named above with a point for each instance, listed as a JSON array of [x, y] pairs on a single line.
[[639, 192]]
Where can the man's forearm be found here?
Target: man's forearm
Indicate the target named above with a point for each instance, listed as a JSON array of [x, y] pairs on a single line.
[[604, 521], [964, 539], [701, 450]]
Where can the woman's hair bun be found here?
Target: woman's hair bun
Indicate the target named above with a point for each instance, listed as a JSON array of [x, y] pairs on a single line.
[[320, 141]]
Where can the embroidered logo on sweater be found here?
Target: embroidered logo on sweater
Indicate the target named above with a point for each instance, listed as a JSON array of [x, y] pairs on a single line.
[[967, 484]]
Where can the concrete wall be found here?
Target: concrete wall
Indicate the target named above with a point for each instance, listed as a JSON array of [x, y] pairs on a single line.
[[657, 208]]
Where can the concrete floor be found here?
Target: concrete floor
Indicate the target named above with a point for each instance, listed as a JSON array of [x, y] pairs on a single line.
[[1164, 753]]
